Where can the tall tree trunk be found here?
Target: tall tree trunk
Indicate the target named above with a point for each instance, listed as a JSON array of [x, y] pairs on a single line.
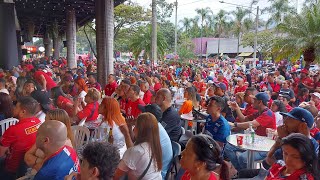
[[71, 38], [47, 44], [154, 33]]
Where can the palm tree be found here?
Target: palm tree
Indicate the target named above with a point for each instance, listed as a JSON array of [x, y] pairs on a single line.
[[278, 10], [186, 23], [154, 32], [221, 21], [301, 36], [239, 15], [204, 14], [142, 41]]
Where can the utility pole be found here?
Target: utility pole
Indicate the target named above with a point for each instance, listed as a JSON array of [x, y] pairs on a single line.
[[256, 38], [201, 36], [176, 29], [154, 33]]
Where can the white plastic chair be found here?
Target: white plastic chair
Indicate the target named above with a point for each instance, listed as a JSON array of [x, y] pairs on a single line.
[[6, 123], [81, 123], [81, 135]]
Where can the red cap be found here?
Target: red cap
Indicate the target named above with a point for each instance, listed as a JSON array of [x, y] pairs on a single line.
[[304, 71]]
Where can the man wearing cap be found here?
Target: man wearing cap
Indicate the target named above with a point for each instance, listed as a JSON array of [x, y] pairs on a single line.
[[44, 80], [220, 89], [261, 120], [298, 120], [111, 86], [315, 100], [44, 106], [303, 81], [165, 141]]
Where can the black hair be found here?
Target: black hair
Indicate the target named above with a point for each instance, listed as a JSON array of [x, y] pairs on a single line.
[[103, 156], [136, 89], [219, 101], [29, 104], [306, 149], [6, 105], [56, 92], [251, 89], [208, 150], [281, 106], [285, 96], [126, 81]]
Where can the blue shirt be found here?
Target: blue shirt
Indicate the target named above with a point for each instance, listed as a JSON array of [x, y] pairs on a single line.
[[219, 129], [166, 148], [62, 163]]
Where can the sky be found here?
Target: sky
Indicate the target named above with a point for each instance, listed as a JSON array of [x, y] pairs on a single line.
[[186, 8]]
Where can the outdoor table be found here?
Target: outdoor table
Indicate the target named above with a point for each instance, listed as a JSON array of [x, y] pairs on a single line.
[[261, 143], [188, 117]]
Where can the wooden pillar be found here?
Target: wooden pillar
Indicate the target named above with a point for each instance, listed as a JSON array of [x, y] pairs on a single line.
[[8, 37], [71, 38], [104, 40]]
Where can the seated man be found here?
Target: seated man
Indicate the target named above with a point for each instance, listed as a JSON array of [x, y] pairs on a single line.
[[99, 161], [216, 124], [61, 160], [19, 138], [134, 100], [170, 118]]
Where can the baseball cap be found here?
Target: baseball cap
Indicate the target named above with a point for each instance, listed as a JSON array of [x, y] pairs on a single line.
[[43, 99], [153, 109], [220, 85], [305, 71], [300, 114], [262, 96], [316, 94]]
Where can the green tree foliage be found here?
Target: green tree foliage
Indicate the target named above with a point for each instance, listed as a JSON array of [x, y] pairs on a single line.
[[185, 48], [142, 41], [265, 41], [278, 10], [300, 35]]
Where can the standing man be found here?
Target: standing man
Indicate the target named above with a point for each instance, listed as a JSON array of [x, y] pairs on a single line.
[[61, 160], [144, 86], [170, 117], [44, 80], [111, 86], [18, 139]]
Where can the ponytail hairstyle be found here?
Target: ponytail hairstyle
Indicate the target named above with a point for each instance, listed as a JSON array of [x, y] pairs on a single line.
[[208, 150]]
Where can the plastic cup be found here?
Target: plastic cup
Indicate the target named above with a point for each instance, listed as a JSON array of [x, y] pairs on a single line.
[[271, 133], [240, 140]]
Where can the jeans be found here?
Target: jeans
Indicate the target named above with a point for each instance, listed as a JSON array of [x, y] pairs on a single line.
[[238, 157]]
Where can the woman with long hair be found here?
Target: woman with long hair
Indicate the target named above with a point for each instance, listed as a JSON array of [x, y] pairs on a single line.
[[34, 157], [81, 86], [19, 88], [191, 102], [61, 100], [299, 160], [145, 155], [240, 100], [113, 118], [202, 160], [6, 106], [277, 107]]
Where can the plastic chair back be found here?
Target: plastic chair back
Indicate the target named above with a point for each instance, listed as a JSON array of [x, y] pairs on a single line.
[[6, 123], [81, 135]]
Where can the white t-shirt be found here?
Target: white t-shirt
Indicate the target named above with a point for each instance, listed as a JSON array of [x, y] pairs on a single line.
[[41, 116], [136, 159], [117, 134], [279, 119]]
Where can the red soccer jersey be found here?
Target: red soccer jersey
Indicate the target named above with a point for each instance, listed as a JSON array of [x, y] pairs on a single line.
[[201, 86], [289, 108], [19, 138], [50, 83], [275, 87], [123, 103], [147, 97], [157, 86], [110, 88], [132, 108], [62, 104], [91, 112], [95, 85], [240, 89], [266, 120], [277, 168]]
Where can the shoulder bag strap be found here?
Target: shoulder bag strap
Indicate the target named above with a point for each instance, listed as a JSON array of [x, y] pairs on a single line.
[[146, 170]]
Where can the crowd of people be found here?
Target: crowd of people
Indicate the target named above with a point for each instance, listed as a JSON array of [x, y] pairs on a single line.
[[141, 104]]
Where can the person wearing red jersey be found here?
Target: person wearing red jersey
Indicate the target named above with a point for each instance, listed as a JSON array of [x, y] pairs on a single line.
[[249, 110], [44, 80], [315, 99], [132, 108], [144, 86], [200, 85], [303, 82], [60, 159], [157, 84], [92, 82], [111, 86], [19, 138], [285, 99], [90, 111], [240, 86]]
